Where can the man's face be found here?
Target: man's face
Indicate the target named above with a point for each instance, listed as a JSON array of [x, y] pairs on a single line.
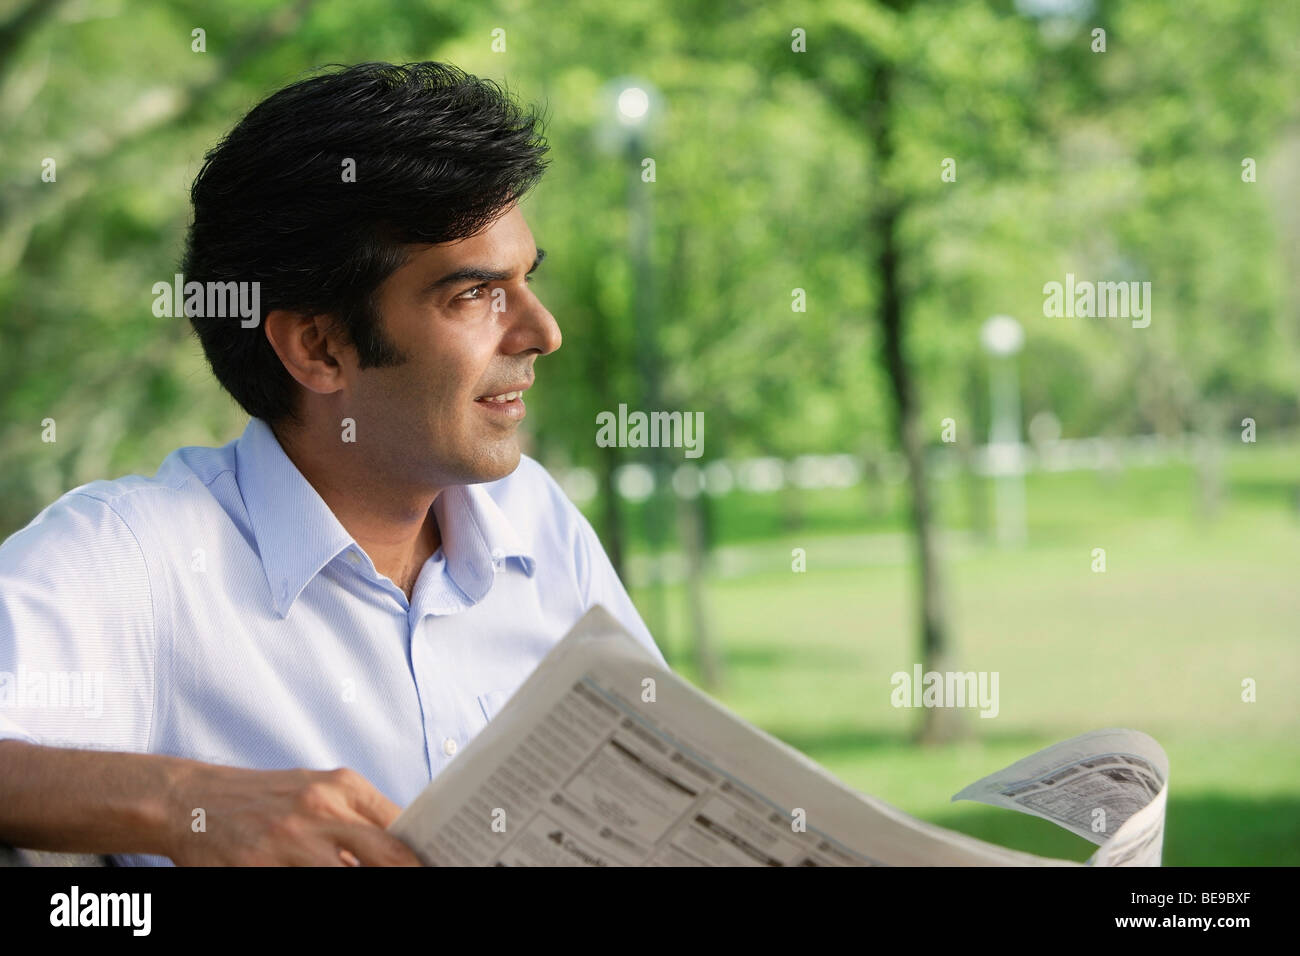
[[470, 327]]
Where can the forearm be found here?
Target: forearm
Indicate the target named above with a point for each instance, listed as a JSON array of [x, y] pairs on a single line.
[[88, 801]]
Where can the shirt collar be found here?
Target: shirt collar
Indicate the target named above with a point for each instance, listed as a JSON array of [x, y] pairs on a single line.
[[297, 534], [477, 537]]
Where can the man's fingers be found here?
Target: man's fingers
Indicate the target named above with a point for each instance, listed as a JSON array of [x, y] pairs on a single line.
[[373, 846], [365, 798]]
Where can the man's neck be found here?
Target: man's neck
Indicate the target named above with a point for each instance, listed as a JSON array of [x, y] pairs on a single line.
[[399, 531]]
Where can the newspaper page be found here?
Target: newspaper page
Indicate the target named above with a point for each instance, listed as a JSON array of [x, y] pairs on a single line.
[[1108, 786], [605, 758]]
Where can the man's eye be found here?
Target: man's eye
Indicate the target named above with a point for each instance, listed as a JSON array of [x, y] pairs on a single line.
[[480, 289]]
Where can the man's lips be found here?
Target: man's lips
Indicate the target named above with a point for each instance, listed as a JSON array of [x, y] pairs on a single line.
[[509, 393], [508, 402]]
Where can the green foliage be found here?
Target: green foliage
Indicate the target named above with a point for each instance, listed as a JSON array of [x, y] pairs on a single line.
[[1121, 164]]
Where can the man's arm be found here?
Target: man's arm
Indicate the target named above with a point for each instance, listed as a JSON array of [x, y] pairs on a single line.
[[102, 802], [76, 604], [83, 801]]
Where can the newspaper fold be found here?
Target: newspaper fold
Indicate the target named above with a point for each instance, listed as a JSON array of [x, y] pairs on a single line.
[[604, 758]]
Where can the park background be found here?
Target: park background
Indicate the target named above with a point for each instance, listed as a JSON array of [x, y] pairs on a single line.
[[802, 146]]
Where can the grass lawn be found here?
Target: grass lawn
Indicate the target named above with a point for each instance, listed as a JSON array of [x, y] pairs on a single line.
[[1160, 642]]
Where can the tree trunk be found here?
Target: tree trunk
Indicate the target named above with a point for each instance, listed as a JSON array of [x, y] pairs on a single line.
[[611, 515], [942, 723], [691, 521], [600, 375]]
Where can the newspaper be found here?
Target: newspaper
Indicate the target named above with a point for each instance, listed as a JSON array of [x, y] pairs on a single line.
[[603, 757]]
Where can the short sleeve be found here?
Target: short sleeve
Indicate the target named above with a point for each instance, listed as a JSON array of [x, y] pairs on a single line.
[[76, 630], [600, 584]]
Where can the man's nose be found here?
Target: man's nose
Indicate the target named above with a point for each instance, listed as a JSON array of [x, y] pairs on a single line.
[[537, 328]]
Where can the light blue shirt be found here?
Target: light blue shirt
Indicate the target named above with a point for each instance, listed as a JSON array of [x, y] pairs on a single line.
[[219, 611]]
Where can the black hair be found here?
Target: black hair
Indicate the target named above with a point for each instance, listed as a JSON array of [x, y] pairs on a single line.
[[438, 154]]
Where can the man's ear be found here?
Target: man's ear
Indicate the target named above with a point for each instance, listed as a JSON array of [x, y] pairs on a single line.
[[311, 347]]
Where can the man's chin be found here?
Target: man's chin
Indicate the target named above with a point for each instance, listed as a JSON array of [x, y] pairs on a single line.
[[502, 462]]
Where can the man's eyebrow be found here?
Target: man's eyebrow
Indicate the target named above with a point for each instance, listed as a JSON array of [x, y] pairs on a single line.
[[477, 274]]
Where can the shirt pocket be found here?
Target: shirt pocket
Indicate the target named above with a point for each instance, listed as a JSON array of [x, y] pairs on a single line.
[[492, 702]]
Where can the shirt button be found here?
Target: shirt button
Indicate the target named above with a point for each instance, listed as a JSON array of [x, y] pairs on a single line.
[[449, 747]]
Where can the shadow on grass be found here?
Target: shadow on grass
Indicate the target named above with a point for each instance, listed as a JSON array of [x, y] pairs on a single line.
[[826, 744], [795, 656], [1273, 491], [1229, 829], [1200, 830]]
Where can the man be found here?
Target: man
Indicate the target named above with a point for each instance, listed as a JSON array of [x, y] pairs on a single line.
[[262, 653]]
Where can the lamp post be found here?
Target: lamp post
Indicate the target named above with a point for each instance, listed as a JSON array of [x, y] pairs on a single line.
[[635, 110], [1002, 337]]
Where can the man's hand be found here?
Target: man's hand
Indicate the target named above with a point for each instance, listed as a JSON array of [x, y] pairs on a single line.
[[281, 818], [91, 801]]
